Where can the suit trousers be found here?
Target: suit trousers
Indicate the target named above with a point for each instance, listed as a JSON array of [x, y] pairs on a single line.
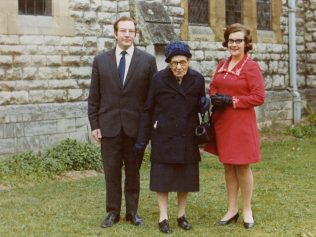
[[117, 152]]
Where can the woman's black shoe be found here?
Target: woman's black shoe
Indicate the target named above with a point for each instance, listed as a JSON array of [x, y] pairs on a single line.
[[183, 223], [164, 227], [233, 219], [249, 225]]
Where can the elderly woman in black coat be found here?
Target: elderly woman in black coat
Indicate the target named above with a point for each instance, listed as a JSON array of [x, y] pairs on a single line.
[[169, 119]]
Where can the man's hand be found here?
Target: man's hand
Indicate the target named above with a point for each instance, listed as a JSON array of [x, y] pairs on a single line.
[[96, 134]]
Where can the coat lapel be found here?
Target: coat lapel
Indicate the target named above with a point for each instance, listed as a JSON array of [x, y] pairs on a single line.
[[112, 65], [135, 60], [188, 81], [171, 82]]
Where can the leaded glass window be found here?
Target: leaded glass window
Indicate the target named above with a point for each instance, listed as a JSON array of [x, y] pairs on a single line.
[[264, 14], [233, 11], [35, 7], [198, 11]]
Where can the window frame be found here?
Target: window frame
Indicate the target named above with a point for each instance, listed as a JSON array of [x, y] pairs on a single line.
[[31, 7]]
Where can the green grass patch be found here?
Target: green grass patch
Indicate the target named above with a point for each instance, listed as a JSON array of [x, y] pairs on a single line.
[[283, 201]]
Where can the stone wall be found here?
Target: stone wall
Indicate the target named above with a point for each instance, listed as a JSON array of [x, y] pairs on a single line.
[[44, 79]]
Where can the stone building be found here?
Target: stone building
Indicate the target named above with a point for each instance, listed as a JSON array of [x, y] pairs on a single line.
[[47, 47]]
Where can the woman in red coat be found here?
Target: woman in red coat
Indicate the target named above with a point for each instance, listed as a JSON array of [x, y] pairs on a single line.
[[237, 87]]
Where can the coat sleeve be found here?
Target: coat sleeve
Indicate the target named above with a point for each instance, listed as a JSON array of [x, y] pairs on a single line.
[[94, 97], [255, 82], [145, 123], [153, 67], [212, 89]]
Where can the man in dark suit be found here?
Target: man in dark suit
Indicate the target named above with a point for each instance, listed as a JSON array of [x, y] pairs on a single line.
[[119, 84]]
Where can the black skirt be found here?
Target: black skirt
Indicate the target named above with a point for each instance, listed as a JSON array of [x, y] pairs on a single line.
[[174, 178]]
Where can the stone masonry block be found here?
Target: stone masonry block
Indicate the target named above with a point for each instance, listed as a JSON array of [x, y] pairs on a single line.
[[5, 97], [63, 84], [81, 72], [176, 11], [173, 2], [123, 6], [71, 60], [45, 50], [9, 130], [29, 73], [278, 82], [14, 74], [7, 146], [90, 41], [96, 5], [32, 39], [22, 60], [74, 94], [30, 85], [5, 60], [71, 41], [198, 55], [31, 49], [311, 81], [87, 60], [7, 86], [77, 50], [53, 60], [66, 125], [39, 60], [20, 97], [37, 96], [40, 128], [105, 18], [108, 31], [84, 83], [2, 74], [89, 16], [109, 6], [9, 39], [56, 96], [11, 49], [80, 4], [52, 40]]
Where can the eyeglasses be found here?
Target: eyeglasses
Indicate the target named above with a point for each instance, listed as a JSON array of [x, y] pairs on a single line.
[[125, 31], [182, 63], [237, 41]]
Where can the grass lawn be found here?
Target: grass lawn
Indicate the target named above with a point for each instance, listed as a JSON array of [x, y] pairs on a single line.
[[283, 202]]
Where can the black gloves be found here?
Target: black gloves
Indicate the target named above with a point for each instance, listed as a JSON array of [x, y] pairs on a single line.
[[221, 100], [205, 104], [139, 149]]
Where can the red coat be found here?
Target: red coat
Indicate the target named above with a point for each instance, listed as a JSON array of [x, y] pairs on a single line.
[[237, 138]]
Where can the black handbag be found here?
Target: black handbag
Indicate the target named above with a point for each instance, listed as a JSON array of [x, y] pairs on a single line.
[[204, 132]]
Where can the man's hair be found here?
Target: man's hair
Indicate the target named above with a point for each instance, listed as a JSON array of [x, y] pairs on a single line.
[[123, 18]]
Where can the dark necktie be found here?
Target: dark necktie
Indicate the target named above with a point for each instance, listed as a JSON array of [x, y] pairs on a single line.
[[121, 68]]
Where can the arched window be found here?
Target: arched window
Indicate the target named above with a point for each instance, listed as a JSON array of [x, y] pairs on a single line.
[[198, 11], [35, 7], [233, 10], [264, 14]]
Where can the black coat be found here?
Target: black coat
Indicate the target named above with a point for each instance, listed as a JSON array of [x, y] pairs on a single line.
[[170, 117], [112, 106]]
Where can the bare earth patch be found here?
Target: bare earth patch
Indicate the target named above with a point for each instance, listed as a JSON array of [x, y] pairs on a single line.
[[75, 175], [4, 187]]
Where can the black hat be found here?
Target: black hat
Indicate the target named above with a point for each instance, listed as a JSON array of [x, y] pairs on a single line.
[[177, 48]]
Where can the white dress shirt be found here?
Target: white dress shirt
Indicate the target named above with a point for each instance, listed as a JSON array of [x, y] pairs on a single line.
[[128, 58]]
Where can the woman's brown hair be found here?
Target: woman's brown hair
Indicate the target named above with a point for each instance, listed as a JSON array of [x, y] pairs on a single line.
[[237, 27]]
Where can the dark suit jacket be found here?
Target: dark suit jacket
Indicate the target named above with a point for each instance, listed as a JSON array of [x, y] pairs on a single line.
[[170, 117], [112, 106]]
